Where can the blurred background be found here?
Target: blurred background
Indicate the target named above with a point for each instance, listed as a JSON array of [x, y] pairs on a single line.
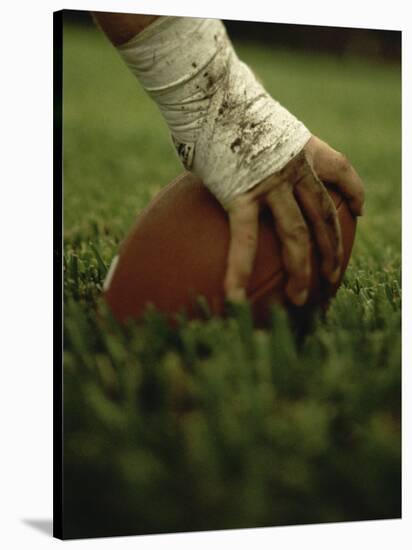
[[378, 44], [218, 425]]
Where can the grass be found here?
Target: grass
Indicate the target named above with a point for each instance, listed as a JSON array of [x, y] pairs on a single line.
[[218, 425]]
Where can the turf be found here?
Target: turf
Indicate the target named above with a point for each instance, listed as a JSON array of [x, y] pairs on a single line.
[[219, 425]]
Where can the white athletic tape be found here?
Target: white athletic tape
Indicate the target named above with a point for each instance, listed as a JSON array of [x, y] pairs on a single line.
[[226, 128]]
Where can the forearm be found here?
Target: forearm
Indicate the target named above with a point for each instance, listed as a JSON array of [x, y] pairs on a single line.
[[121, 27], [226, 128]]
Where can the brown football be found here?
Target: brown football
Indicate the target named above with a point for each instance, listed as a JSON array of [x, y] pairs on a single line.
[[177, 251]]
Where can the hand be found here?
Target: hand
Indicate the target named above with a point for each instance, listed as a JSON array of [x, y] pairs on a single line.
[[294, 192]]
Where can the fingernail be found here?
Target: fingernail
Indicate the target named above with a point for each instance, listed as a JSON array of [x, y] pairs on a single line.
[[301, 297], [334, 278], [356, 209], [237, 295]]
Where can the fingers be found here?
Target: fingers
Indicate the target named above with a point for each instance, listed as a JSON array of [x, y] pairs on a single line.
[[243, 220], [321, 213], [294, 236], [297, 197], [331, 166]]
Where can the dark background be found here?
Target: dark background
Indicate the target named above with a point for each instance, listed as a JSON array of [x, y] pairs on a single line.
[[383, 45]]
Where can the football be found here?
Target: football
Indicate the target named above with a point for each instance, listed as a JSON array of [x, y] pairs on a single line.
[[174, 258]]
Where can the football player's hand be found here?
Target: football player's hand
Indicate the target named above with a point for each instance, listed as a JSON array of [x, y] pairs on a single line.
[[300, 205]]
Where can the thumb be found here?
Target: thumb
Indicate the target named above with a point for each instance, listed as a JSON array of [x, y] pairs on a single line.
[[333, 167]]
